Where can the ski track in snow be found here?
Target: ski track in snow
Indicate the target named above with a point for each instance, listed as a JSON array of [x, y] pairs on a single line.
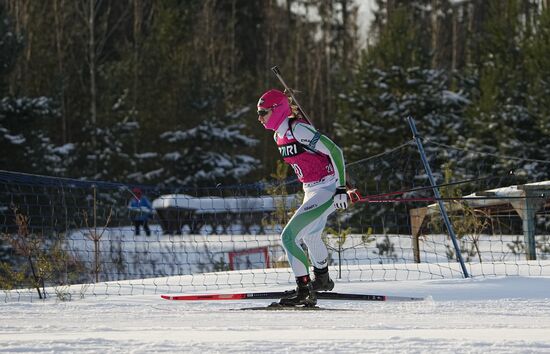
[[493, 315]]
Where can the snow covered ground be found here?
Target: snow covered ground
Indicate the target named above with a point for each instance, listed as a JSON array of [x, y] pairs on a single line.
[[480, 315]]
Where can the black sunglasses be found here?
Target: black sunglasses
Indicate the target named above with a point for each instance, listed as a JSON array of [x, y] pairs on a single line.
[[263, 112]]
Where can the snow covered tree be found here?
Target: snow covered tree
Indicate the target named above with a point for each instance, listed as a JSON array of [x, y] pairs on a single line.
[[507, 116], [24, 143], [212, 152], [538, 67], [108, 156], [374, 110], [491, 105], [24, 139]]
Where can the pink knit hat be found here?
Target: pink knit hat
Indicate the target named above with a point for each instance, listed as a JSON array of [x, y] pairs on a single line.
[[279, 105]]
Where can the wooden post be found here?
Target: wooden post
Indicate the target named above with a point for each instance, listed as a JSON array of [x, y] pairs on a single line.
[[417, 216], [527, 209]]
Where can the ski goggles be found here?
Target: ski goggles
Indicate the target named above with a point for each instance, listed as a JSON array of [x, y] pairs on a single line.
[[262, 112]]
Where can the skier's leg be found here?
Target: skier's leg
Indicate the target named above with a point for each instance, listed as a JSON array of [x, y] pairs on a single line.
[[310, 211], [314, 206], [312, 238], [317, 248]]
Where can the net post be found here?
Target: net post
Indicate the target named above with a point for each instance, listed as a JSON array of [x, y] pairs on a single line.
[[437, 195]]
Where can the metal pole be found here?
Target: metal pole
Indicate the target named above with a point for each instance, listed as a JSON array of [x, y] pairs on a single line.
[[442, 208]]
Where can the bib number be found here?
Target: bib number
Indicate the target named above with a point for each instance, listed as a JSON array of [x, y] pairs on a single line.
[[297, 170]]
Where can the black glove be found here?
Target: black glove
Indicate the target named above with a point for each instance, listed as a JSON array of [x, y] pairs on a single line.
[[341, 198]]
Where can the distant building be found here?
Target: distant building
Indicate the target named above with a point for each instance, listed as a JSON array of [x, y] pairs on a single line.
[[175, 211]]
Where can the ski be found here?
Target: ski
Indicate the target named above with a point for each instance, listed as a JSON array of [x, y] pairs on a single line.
[[275, 306], [280, 294], [234, 296]]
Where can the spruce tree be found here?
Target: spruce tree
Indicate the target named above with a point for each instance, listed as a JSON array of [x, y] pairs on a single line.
[[24, 140], [213, 152], [504, 114]]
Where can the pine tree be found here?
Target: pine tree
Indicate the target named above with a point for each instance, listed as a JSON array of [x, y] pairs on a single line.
[[374, 111], [107, 154], [211, 153], [11, 45], [24, 140], [538, 90], [504, 109], [401, 35]]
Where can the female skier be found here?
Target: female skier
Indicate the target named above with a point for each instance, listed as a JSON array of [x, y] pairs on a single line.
[[319, 165]]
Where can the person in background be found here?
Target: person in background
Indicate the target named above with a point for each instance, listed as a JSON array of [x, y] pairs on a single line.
[[319, 165], [140, 211]]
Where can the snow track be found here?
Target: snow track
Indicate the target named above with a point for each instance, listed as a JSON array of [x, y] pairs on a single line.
[[486, 315]]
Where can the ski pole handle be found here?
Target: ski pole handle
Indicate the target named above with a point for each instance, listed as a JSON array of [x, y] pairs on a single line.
[[353, 194], [277, 73]]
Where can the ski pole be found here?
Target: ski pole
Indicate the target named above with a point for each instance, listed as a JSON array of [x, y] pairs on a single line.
[[358, 198], [384, 195]]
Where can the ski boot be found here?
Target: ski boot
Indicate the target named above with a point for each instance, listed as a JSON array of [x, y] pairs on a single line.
[[303, 296], [322, 280]]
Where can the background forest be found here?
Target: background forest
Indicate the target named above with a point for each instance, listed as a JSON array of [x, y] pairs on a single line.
[[164, 92]]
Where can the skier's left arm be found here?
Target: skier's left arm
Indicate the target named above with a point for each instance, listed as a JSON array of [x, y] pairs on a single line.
[[310, 137]]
